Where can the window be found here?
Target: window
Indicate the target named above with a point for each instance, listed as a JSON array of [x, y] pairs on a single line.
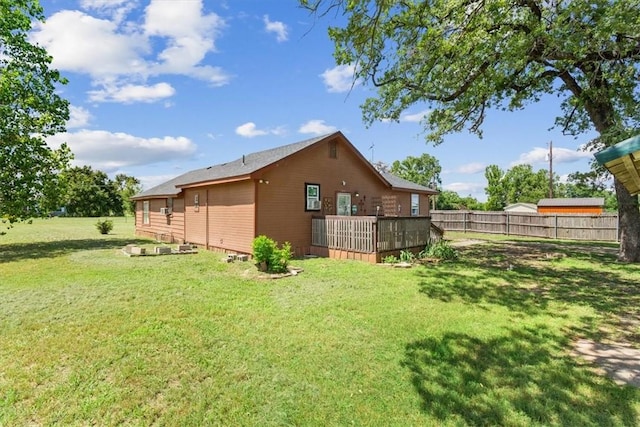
[[312, 197], [415, 204], [333, 149], [145, 212], [170, 203], [196, 202]]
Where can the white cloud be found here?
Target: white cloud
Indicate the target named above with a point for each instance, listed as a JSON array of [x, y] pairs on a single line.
[[339, 79], [189, 35], [120, 55], [464, 188], [117, 10], [108, 151], [277, 27], [540, 155], [316, 127], [78, 117], [416, 117], [132, 93], [81, 43], [471, 168], [249, 130]]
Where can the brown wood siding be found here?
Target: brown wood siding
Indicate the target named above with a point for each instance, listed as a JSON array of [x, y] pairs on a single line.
[[232, 216], [195, 217], [167, 228], [281, 203], [570, 210]]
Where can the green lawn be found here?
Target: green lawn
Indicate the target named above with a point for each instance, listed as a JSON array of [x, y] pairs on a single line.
[[90, 336]]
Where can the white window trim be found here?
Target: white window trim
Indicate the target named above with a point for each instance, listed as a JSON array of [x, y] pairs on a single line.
[[415, 208]]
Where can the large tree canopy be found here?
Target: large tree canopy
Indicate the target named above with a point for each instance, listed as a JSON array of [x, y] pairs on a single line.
[[88, 192], [424, 170], [466, 57], [518, 184], [30, 110]]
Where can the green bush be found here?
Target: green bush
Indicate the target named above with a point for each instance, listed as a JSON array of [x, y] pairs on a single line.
[[407, 256], [390, 259], [267, 254], [441, 250], [105, 226]]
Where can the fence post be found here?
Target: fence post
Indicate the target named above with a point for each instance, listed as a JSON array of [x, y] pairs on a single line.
[[507, 214], [555, 228], [464, 221]]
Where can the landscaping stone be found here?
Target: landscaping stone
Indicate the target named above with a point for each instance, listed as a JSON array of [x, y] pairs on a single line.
[[183, 248], [162, 250], [242, 257], [135, 250]]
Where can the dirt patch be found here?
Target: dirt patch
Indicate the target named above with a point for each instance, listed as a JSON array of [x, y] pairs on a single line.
[[619, 362]]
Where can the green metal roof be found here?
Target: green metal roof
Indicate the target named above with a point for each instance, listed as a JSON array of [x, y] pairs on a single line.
[[623, 161]]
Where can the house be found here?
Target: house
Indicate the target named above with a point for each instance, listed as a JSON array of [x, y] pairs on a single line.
[[521, 208], [584, 205], [623, 161], [275, 193]]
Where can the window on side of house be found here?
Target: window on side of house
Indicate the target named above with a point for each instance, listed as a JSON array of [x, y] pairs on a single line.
[[333, 149], [415, 204], [196, 202], [145, 212], [312, 197]]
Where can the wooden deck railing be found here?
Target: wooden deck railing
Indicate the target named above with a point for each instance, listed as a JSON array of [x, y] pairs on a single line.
[[369, 234]]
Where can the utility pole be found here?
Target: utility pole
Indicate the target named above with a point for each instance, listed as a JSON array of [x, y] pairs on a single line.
[[551, 169]]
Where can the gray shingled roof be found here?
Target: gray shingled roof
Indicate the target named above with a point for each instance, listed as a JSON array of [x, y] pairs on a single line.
[[402, 184], [242, 166], [578, 201]]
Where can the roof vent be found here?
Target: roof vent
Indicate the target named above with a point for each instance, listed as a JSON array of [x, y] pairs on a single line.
[[243, 160]]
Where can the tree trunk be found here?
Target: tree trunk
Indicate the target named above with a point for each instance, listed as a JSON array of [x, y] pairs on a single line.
[[628, 224]]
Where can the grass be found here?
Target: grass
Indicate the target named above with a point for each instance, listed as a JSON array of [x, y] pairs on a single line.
[[89, 336]]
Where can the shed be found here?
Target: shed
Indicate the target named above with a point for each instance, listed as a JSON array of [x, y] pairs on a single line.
[[521, 208], [578, 205], [623, 161]]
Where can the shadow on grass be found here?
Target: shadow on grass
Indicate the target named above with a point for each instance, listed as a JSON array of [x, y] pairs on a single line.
[[36, 250], [523, 378], [527, 280]]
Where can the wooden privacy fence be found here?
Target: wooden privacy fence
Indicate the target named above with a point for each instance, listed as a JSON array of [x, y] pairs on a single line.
[[369, 234], [602, 227]]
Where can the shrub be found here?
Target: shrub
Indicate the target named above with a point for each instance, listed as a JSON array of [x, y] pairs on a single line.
[[390, 259], [280, 258], [266, 252], [407, 256], [441, 250], [105, 226]]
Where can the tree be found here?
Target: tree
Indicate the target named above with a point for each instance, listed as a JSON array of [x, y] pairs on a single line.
[[90, 193], [126, 187], [424, 170], [496, 194], [30, 110], [518, 184], [464, 58], [589, 184], [450, 200]]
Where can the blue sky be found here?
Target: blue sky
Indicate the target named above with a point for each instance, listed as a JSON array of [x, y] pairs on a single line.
[[161, 87]]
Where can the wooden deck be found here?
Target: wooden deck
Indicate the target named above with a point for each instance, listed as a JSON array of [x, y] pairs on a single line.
[[370, 238]]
